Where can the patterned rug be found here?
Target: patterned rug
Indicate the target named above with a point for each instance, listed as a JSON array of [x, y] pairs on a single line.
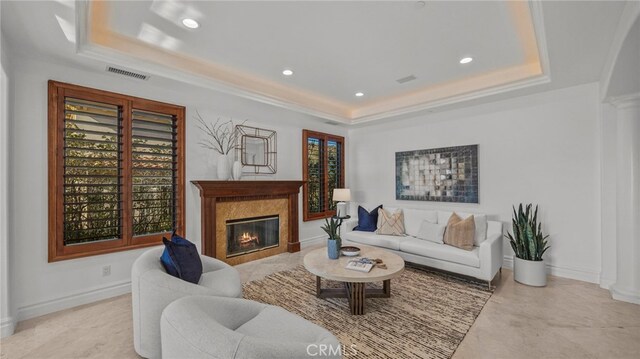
[[427, 316]]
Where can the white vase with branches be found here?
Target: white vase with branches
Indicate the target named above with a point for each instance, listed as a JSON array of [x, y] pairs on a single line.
[[221, 137]]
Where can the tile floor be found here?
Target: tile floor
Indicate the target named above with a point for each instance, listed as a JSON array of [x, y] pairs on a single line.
[[566, 319]]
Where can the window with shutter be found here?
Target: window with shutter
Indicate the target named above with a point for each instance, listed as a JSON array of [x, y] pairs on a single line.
[[154, 173], [323, 170], [116, 171], [92, 196]]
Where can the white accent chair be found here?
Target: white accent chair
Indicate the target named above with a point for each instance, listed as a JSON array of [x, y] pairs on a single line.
[[152, 289], [202, 327]]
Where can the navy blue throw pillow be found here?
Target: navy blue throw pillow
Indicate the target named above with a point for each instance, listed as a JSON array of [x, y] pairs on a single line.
[[167, 262], [181, 259], [367, 221]]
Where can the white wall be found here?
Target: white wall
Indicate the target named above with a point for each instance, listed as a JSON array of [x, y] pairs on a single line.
[[6, 318], [40, 287], [541, 148]]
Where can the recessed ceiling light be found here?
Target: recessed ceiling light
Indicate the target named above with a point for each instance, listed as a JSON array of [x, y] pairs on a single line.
[[466, 60], [190, 23], [359, 94], [287, 72]]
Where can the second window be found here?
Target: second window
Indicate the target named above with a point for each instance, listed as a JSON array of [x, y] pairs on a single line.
[[323, 171]]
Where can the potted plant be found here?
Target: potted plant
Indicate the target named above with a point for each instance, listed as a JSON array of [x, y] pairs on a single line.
[[528, 244], [334, 242]]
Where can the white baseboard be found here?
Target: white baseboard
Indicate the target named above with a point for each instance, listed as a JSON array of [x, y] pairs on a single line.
[[311, 241], [73, 300], [606, 283], [7, 327], [90, 296], [625, 295], [565, 272]]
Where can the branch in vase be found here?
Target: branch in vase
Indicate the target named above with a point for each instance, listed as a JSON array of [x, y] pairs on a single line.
[[222, 137]]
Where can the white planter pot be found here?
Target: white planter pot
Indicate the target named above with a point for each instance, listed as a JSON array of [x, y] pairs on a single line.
[[531, 273], [236, 170], [223, 168]]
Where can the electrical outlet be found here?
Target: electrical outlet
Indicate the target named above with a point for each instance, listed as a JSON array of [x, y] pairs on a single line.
[[106, 270]]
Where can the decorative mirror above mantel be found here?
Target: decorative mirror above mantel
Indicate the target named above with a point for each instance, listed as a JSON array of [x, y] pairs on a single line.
[[257, 150]]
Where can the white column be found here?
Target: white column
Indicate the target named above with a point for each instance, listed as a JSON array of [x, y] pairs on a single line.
[[627, 286], [7, 324]]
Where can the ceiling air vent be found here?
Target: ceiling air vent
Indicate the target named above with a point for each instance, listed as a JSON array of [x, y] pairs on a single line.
[[406, 79], [122, 72]]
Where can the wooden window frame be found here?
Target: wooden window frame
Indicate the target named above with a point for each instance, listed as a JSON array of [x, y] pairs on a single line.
[[57, 92], [306, 134]]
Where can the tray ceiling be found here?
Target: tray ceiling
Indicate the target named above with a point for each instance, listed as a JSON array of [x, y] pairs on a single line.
[[335, 49]]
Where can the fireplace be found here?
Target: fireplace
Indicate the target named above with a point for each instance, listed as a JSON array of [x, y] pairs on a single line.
[[231, 210], [249, 235]]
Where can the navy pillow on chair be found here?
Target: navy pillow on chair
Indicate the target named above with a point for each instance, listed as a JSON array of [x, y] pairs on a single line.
[[367, 221], [181, 259], [167, 262]]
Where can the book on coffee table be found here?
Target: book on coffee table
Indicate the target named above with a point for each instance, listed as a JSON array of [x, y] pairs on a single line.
[[360, 265]]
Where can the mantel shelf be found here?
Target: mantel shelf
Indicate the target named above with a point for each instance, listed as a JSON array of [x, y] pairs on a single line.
[[216, 188]]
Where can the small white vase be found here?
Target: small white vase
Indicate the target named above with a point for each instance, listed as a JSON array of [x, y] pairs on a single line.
[[222, 167], [531, 273], [237, 170]]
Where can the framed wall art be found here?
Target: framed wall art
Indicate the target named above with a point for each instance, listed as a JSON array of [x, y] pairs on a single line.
[[448, 174]]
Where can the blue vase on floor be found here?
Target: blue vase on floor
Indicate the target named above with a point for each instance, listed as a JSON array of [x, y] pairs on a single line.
[[333, 248]]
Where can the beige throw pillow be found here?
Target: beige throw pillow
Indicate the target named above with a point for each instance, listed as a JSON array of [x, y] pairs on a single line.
[[390, 223], [460, 233]]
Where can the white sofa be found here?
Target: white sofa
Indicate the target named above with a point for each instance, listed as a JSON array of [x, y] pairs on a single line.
[[483, 262]]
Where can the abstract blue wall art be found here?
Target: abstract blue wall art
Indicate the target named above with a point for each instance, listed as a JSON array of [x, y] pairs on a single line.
[[448, 174]]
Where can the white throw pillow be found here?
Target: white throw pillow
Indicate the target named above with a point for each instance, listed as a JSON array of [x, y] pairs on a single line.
[[413, 219], [431, 232], [481, 229]]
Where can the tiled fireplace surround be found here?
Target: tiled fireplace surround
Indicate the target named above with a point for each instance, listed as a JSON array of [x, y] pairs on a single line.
[[223, 201]]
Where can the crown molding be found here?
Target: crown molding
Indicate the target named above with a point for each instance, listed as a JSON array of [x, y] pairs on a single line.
[[102, 54], [115, 49], [537, 16], [542, 79], [82, 23], [86, 46], [625, 101]]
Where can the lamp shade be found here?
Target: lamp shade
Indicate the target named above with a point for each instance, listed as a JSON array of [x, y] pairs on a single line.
[[342, 194]]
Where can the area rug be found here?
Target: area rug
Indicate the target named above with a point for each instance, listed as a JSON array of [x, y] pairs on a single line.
[[427, 316]]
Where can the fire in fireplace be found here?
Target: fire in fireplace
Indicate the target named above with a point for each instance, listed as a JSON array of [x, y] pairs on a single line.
[[252, 234]]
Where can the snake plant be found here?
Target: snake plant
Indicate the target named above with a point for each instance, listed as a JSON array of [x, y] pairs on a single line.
[[331, 227], [527, 241]]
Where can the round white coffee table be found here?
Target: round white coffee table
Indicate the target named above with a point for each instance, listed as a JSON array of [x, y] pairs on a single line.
[[317, 262]]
